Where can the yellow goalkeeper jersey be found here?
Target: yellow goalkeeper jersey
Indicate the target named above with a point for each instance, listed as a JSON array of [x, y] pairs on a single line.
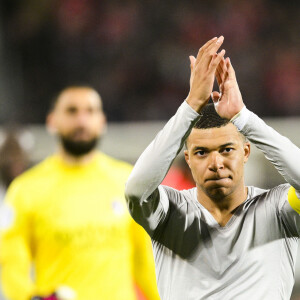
[[72, 224]]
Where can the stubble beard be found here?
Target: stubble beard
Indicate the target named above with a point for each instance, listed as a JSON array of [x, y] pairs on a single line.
[[78, 148]]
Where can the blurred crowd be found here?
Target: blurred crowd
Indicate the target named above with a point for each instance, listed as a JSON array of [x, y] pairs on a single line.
[[136, 52]]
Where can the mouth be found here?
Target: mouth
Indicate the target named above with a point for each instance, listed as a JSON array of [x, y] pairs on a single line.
[[80, 135], [219, 180]]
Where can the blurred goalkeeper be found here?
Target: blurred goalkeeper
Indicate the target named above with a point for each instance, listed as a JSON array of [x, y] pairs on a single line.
[[68, 222]]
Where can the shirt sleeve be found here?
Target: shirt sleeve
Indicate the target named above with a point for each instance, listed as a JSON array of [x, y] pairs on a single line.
[[279, 150], [148, 203], [290, 210], [15, 253], [286, 213]]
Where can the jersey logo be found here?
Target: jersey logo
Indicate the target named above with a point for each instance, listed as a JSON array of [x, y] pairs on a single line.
[[118, 207]]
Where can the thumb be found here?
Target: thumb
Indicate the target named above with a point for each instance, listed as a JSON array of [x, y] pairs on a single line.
[[192, 61], [215, 96]]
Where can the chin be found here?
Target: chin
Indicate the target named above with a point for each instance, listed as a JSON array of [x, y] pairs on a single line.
[[218, 195], [218, 192]]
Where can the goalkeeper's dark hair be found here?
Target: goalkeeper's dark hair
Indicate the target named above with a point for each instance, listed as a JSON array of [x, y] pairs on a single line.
[[55, 99]]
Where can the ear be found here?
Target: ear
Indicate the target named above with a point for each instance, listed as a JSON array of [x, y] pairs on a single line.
[[187, 157], [103, 124], [50, 123], [246, 151]]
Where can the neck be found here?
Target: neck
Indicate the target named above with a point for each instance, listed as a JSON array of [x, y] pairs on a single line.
[[75, 160], [224, 207]]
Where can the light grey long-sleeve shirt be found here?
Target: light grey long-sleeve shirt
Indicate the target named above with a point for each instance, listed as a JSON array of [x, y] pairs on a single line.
[[253, 256]]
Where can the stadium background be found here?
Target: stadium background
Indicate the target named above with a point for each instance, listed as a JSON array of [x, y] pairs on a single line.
[[135, 53]]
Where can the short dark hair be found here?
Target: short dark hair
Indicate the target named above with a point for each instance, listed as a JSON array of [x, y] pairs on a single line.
[[55, 99], [209, 118]]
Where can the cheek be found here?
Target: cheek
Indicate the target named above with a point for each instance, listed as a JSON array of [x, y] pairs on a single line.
[[91, 125], [65, 123], [237, 166], [96, 121], [65, 128], [97, 126], [198, 169]]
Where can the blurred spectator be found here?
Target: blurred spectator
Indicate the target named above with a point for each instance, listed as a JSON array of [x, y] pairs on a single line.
[[282, 83], [13, 160], [138, 51]]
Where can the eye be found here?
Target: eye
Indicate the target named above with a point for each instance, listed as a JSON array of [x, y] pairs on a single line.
[[90, 110], [93, 110], [71, 110], [227, 150], [200, 153]]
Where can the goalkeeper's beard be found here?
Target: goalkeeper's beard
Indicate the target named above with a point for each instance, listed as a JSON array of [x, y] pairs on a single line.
[[78, 148]]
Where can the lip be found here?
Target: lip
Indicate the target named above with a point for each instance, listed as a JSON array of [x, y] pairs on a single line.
[[81, 136], [219, 179]]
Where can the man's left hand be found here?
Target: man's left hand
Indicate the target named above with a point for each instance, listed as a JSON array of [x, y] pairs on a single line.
[[228, 102]]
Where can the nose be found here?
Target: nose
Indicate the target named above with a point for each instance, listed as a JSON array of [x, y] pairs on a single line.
[[215, 162], [82, 118]]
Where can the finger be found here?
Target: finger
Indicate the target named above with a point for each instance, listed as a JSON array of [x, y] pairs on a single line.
[[230, 70], [192, 61], [215, 96], [222, 66], [219, 81], [218, 77], [209, 43], [213, 47], [204, 47], [216, 60], [220, 70], [211, 51]]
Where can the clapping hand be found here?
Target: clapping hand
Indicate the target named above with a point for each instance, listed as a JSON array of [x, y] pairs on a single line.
[[228, 101], [203, 69]]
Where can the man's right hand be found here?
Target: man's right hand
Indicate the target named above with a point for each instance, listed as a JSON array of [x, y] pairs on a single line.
[[203, 70]]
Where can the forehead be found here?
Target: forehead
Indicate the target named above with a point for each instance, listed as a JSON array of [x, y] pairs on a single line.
[[214, 137], [79, 97]]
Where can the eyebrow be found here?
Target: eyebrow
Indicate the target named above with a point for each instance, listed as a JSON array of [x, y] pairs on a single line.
[[207, 149]]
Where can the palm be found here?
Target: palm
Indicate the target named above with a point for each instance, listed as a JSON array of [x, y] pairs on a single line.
[[204, 88]]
